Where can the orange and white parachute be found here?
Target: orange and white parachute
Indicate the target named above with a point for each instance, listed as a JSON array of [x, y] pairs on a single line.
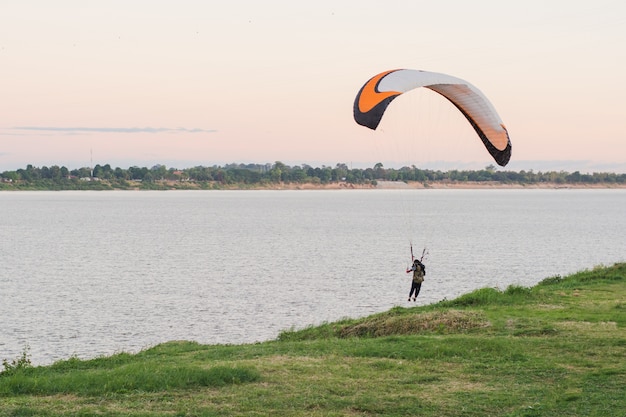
[[372, 100]]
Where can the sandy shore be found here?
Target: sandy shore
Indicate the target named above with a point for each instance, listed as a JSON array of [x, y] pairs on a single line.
[[469, 185], [381, 185]]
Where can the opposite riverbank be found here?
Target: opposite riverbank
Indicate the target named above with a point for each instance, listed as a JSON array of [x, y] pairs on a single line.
[[555, 349], [167, 185], [461, 185]]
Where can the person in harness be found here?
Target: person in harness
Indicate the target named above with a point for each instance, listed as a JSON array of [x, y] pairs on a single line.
[[419, 270]]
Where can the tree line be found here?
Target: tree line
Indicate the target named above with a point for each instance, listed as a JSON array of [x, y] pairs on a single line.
[[104, 176]]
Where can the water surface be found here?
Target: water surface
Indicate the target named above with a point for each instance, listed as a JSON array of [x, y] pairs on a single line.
[[93, 273]]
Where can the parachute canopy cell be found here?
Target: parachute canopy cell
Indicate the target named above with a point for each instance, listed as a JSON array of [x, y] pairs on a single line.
[[376, 94]]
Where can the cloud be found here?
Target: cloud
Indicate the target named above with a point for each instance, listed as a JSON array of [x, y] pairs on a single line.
[[74, 130]]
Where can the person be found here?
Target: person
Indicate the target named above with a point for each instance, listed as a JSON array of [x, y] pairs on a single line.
[[419, 270]]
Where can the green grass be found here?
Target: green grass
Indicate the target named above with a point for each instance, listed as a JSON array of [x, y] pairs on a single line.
[[556, 349]]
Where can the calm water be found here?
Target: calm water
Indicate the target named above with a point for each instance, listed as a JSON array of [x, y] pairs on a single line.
[[93, 273]]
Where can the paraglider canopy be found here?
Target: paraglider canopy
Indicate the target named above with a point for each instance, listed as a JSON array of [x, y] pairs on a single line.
[[377, 93]]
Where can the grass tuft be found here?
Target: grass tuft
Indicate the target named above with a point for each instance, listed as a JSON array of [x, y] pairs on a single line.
[[102, 376]]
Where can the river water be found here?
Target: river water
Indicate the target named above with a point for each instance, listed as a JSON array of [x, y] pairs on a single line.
[[93, 273]]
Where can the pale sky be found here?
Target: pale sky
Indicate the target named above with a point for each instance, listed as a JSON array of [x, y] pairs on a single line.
[[185, 83]]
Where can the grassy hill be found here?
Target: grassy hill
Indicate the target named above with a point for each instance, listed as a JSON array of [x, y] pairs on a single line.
[[557, 349]]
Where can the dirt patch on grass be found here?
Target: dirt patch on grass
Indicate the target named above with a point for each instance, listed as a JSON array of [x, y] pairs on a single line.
[[587, 325], [451, 321]]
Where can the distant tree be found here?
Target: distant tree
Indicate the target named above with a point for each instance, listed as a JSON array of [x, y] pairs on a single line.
[[325, 175], [81, 172], [55, 172], [11, 175], [159, 172], [574, 177], [121, 174], [340, 172], [380, 172], [137, 173], [277, 171], [298, 174], [103, 172]]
